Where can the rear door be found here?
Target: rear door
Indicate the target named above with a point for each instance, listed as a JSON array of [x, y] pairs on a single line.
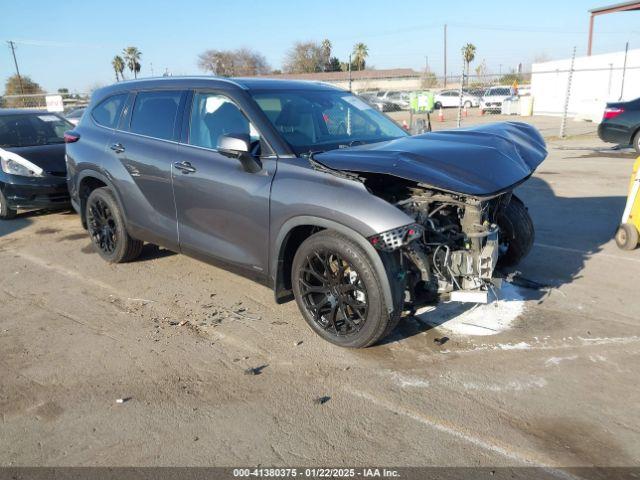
[[223, 210], [146, 149]]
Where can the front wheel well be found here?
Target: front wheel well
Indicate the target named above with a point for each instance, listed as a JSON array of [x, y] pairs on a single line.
[[87, 185], [288, 249]]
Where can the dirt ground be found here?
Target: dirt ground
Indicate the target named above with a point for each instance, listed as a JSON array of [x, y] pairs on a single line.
[[213, 372]]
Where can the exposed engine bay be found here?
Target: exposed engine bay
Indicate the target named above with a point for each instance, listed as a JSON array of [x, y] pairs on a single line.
[[451, 251]]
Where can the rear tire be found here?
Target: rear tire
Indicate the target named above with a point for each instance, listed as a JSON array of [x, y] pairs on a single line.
[[516, 233], [627, 237], [106, 227], [339, 293], [6, 212], [636, 142]]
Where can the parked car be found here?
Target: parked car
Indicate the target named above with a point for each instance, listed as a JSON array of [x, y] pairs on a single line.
[[492, 99], [400, 99], [32, 173], [621, 124], [306, 188], [379, 103], [451, 98], [75, 115]]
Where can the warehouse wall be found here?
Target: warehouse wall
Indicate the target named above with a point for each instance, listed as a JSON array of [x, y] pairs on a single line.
[[596, 80]]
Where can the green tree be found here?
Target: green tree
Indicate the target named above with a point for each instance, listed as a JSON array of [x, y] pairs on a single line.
[[12, 87], [333, 65], [132, 59], [118, 67], [360, 53], [468, 55]]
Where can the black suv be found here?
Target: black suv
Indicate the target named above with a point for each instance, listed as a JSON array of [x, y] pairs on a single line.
[[306, 188]]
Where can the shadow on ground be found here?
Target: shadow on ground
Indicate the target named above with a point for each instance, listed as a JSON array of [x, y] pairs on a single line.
[[568, 231]]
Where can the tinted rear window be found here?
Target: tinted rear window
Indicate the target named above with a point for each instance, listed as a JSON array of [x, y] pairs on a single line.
[[154, 114], [107, 113], [32, 129]]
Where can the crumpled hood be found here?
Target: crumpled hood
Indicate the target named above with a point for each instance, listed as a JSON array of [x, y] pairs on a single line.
[[476, 161]]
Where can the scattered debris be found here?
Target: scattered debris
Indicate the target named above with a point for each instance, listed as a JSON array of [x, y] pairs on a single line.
[[321, 400], [298, 343], [183, 323], [173, 322], [440, 341], [196, 438], [516, 278], [255, 370], [122, 400], [277, 322]]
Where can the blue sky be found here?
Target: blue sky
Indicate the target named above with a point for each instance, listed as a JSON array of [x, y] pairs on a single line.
[[71, 44]]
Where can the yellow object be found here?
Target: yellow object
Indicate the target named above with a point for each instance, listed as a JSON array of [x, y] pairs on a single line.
[[628, 234], [633, 199]]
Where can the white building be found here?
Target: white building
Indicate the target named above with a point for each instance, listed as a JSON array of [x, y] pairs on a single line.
[[597, 79]]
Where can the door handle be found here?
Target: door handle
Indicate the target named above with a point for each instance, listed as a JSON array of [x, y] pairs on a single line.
[[184, 167], [117, 147]]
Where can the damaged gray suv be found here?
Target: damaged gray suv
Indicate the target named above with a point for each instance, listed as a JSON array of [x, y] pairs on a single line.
[[306, 188]]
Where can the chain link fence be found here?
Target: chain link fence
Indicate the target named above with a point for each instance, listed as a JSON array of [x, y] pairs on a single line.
[[58, 101]]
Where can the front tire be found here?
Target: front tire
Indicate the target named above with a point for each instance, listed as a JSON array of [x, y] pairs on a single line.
[[6, 212], [516, 233], [106, 227], [338, 291], [636, 142]]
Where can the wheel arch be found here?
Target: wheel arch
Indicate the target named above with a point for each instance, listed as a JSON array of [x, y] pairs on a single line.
[[89, 180], [291, 235]]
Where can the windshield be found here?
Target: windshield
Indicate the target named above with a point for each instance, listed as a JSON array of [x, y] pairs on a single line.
[[26, 130], [320, 120]]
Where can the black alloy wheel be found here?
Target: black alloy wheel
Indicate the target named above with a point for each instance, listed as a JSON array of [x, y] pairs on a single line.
[[333, 293], [102, 226]]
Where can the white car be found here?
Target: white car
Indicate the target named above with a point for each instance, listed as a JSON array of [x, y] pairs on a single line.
[[492, 99], [75, 115], [451, 98], [401, 99]]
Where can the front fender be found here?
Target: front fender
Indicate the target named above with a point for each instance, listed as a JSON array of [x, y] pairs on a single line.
[[303, 196]]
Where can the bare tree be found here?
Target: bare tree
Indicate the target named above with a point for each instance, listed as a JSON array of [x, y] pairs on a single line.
[[304, 57], [233, 63]]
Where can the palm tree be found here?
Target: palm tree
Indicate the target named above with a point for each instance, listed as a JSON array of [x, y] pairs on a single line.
[[360, 53], [326, 47], [468, 55], [132, 57], [118, 67]]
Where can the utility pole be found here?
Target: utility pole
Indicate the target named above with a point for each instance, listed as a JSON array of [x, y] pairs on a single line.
[[445, 55], [349, 72], [624, 70], [563, 124], [15, 61]]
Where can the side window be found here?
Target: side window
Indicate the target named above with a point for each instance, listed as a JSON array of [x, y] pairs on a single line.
[[214, 115], [154, 114], [107, 113]]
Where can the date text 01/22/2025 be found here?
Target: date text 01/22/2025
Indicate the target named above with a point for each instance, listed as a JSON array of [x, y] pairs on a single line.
[[315, 472]]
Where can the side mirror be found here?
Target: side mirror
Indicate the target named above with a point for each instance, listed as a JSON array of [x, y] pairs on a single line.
[[238, 145]]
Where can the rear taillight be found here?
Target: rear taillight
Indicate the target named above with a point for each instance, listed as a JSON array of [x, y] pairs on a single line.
[[612, 112], [71, 137]]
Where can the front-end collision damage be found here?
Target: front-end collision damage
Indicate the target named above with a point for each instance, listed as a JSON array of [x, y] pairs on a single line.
[[452, 249], [456, 186]]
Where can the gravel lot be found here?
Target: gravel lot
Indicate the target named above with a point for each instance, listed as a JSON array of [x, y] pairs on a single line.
[[213, 372]]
